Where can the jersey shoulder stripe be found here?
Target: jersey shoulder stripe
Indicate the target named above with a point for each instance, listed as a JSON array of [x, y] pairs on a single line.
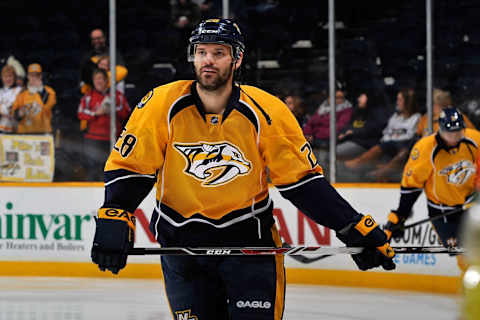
[[248, 111], [180, 104]]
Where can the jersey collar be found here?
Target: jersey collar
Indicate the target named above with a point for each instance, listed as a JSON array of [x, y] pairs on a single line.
[[443, 145], [231, 104]]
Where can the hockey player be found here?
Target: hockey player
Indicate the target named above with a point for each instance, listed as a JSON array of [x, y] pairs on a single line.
[[206, 144], [443, 165]]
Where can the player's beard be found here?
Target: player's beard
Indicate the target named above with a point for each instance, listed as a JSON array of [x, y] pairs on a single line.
[[214, 82]]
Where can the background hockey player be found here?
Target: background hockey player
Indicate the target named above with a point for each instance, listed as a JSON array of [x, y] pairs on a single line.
[[206, 144], [443, 165]]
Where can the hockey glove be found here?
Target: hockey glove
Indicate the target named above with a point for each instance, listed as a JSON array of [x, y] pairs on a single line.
[[114, 236], [366, 233], [395, 226]]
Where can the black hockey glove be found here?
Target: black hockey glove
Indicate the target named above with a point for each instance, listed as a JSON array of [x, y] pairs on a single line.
[[114, 236], [366, 233], [395, 226]]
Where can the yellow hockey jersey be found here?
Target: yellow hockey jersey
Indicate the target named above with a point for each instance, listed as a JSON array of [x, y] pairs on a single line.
[[447, 175], [209, 165]]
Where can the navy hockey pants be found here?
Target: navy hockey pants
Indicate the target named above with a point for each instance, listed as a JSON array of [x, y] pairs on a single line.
[[225, 287]]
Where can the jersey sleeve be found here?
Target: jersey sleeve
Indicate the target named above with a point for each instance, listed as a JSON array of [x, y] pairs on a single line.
[[415, 173], [297, 175], [141, 145], [131, 169], [418, 167], [287, 154]]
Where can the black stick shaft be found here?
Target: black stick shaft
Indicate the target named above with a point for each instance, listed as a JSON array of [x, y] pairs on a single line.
[[283, 251], [434, 218]]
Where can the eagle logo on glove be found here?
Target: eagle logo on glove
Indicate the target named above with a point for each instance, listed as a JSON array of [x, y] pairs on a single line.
[[213, 163]]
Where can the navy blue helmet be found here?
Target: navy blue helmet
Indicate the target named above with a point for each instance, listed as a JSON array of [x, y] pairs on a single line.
[[451, 120], [221, 31]]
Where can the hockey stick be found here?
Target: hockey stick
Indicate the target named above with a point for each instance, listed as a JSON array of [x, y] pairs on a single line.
[[430, 219], [291, 251], [305, 259]]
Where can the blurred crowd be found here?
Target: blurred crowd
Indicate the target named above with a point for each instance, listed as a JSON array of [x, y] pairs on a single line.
[[373, 138], [376, 125]]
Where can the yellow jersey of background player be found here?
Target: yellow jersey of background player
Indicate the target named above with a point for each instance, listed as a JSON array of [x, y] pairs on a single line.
[[442, 165], [445, 173]]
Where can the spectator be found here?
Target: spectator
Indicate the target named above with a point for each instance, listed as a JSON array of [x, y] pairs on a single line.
[[396, 140], [32, 108], [441, 99], [295, 103], [362, 132], [19, 70], [94, 109], [120, 72], [317, 129], [90, 60], [8, 94], [184, 15]]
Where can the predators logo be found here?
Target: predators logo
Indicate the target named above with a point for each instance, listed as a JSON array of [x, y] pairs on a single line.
[[459, 172], [214, 163]]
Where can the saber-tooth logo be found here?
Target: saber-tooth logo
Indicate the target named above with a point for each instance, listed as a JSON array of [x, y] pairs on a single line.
[[255, 304], [214, 163], [459, 173]]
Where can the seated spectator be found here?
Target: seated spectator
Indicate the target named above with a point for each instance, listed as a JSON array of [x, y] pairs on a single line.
[[317, 128], [95, 110], [120, 73], [8, 94], [90, 60], [441, 99], [395, 142], [295, 103], [32, 108], [362, 132]]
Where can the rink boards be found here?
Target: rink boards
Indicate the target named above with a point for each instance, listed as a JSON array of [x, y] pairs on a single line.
[[46, 229]]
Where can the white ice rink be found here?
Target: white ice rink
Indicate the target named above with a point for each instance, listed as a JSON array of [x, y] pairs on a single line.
[[25, 298]]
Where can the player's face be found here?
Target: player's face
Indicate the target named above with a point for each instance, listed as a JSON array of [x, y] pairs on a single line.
[[213, 65], [452, 138]]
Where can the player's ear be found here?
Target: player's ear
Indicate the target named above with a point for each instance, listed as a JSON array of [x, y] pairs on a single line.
[[238, 62]]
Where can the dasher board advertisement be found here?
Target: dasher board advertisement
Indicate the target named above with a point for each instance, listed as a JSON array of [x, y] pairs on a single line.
[[56, 224]]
